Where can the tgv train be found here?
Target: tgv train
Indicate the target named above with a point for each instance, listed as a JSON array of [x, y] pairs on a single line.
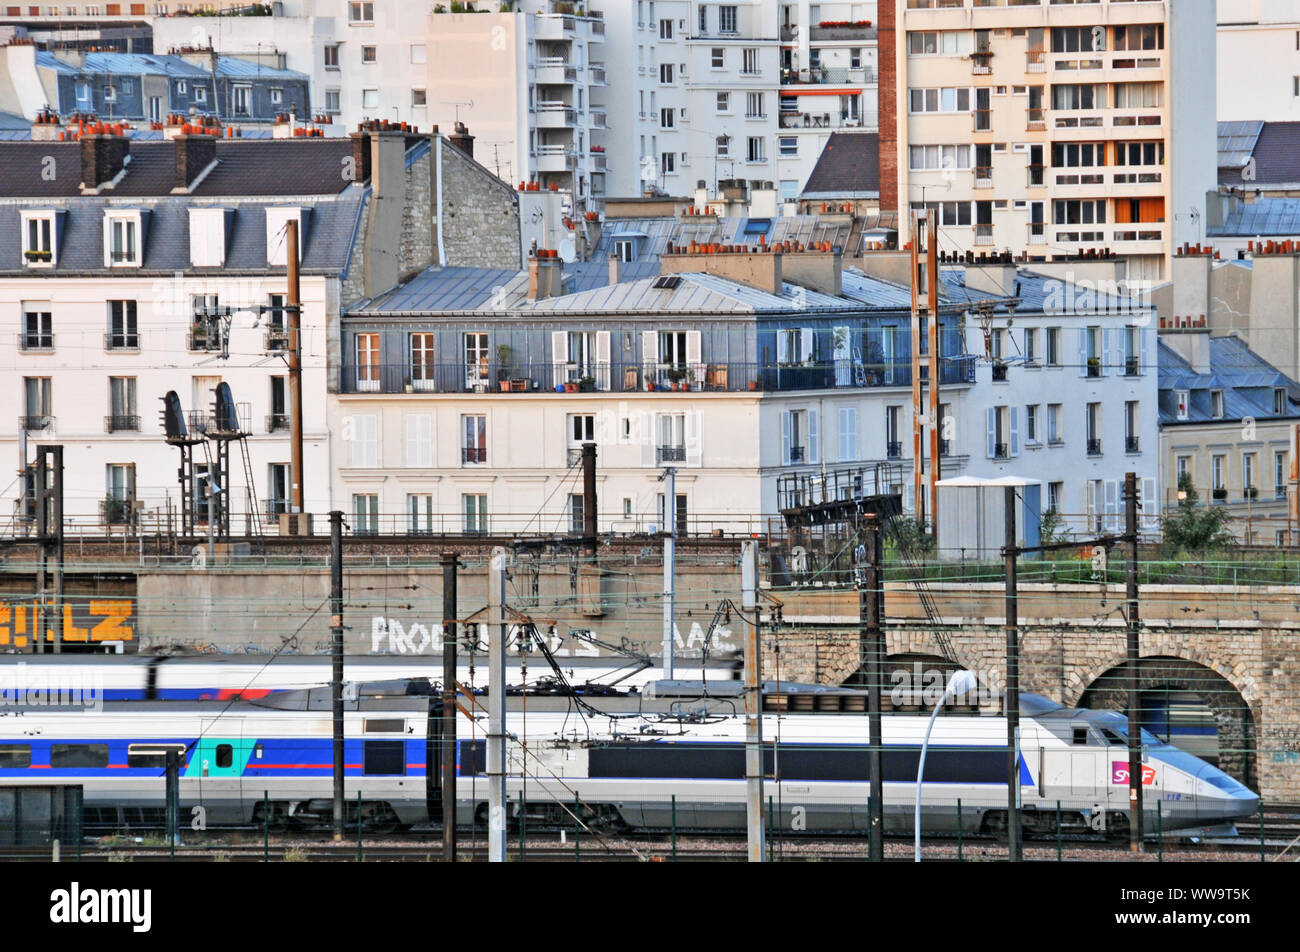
[[623, 757]]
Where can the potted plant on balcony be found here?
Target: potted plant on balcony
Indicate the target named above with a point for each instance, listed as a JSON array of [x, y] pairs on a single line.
[[586, 384], [1094, 366], [570, 386], [35, 254], [407, 385], [675, 375], [505, 362]]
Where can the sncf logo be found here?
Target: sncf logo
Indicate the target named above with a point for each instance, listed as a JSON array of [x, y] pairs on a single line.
[[1119, 773]]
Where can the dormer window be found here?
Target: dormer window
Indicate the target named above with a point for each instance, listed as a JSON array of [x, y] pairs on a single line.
[[39, 231], [1279, 401], [1216, 404], [123, 239], [180, 87], [1183, 398], [208, 228]]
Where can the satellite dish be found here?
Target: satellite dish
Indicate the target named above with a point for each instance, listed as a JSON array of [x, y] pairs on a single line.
[[568, 251], [174, 417], [227, 420]]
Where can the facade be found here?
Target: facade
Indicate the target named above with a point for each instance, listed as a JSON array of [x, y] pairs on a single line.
[[1046, 129], [1264, 32], [1227, 422]]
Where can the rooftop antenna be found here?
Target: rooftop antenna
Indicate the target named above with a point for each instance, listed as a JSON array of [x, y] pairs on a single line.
[[468, 105]]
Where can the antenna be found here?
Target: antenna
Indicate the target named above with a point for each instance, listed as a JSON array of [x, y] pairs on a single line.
[[457, 105]]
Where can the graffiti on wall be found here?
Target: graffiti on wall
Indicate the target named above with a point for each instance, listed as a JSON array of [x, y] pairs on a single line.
[[398, 636], [89, 621]]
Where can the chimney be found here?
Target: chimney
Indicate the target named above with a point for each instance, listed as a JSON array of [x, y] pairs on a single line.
[[461, 139], [995, 280], [361, 155], [544, 276], [194, 155], [1191, 344], [615, 269], [384, 163], [103, 156], [888, 265], [46, 127], [817, 270], [1191, 276], [756, 269]]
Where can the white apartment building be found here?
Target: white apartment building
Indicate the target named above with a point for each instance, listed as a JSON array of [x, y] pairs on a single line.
[[1259, 60], [747, 90], [528, 83], [1052, 129]]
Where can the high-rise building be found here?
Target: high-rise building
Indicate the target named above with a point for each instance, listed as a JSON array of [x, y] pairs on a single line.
[[1266, 32], [1051, 128]]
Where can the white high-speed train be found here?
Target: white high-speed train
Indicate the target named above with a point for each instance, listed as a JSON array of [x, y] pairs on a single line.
[[622, 757]]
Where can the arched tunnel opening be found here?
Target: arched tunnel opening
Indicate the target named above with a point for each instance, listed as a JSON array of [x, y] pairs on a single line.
[[1190, 706]]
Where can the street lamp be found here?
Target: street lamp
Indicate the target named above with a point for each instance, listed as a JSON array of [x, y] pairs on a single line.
[[961, 682]]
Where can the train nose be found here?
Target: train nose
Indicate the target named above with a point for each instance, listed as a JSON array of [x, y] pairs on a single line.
[[1225, 796]]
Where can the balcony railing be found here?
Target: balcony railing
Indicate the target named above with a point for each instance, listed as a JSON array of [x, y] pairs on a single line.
[[1094, 366], [983, 234], [1036, 61], [1001, 451], [1037, 233], [277, 338], [276, 422], [1094, 447], [670, 454], [983, 176], [121, 423], [122, 340], [1131, 445], [1035, 176], [839, 75], [728, 376], [28, 342], [1035, 120], [36, 421], [894, 449], [115, 511], [821, 120], [1132, 366], [473, 454]]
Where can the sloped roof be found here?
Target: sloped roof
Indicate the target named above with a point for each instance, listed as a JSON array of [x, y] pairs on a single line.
[[1264, 217], [849, 165], [1276, 152], [1246, 379]]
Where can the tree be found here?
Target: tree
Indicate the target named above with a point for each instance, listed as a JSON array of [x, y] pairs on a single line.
[[1051, 529], [1195, 528]]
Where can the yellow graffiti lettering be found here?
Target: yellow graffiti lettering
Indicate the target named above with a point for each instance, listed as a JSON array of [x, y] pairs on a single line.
[[112, 628], [70, 630]]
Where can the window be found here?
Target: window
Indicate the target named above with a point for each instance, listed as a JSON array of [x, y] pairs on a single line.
[[370, 98], [948, 43], [419, 513], [799, 437], [15, 755], [1075, 212], [1279, 474], [476, 359], [1216, 404], [1217, 465], [726, 19], [665, 29], [123, 236], [422, 368], [123, 333], [1248, 473], [724, 102], [1138, 95], [1182, 400], [473, 438], [39, 403], [331, 52], [38, 328], [277, 96], [718, 58], [947, 99], [1132, 351], [278, 499], [723, 146], [577, 513], [110, 94], [78, 755], [667, 163], [200, 93], [754, 106], [936, 157], [1279, 401], [366, 347], [1093, 417], [1054, 424], [38, 240], [1055, 493], [749, 61], [1183, 468], [119, 495], [665, 74], [419, 98], [670, 438], [332, 101], [1031, 346], [364, 448], [1053, 347], [755, 151], [365, 513], [361, 12], [666, 117], [1031, 423], [419, 53], [419, 440], [789, 145], [242, 98], [121, 398], [474, 506], [680, 515], [1132, 425], [225, 755]]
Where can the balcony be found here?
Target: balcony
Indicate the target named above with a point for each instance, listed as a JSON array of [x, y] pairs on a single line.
[[273, 508], [1036, 61], [277, 339], [894, 449], [116, 511], [596, 75], [556, 115], [30, 343], [276, 422], [824, 120], [828, 75], [597, 119], [1131, 445], [552, 71], [843, 31], [553, 158], [1132, 367], [670, 454], [1035, 120], [983, 176], [122, 423], [554, 26], [981, 62], [36, 421], [1037, 233], [473, 454], [1094, 447], [199, 339], [120, 340], [983, 235]]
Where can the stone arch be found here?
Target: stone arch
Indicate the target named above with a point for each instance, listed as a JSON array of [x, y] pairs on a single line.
[[1234, 719]]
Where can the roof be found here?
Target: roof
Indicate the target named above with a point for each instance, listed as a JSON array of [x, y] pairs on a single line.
[[1276, 152], [157, 64], [1260, 218], [1246, 379], [327, 239], [1237, 143], [849, 164], [262, 167], [1039, 293]]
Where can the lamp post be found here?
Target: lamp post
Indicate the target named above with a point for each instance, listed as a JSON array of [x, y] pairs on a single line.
[[961, 682]]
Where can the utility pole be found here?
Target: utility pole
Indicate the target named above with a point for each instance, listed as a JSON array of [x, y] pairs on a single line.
[[293, 305], [925, 281], [589, 520], [48, 474], [449, 566], [754, 804], [871, 654], [336, 656], [1293, 488], [1134, 653], [670, 537], [1012, 700], [496, 736], [932, 325]]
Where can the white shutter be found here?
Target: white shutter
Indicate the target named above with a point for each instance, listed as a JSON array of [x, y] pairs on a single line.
[[785, 437], [1090, 504], [198, 239], [1083, 351], [602, 360], [108, 242], [782, 347], [1144, 335], [650, 355], [1108, 336], [1112, 503], [419, 440], [813, 456], [644, 430], [991, 420], [1013, 413], [365, 441], [694, 439], [840, 335], [1150, 503], [559, 357], [848, 434], [805, 343], [694, 352]]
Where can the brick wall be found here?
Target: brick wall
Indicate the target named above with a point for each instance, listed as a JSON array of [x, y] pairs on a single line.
[[886, 32]]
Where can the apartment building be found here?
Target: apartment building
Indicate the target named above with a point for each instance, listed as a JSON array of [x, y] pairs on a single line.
[[529, 81], [1266, 32], [1051, 129], [747, 90]]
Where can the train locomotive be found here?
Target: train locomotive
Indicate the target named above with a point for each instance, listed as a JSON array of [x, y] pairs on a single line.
[[621, 758]]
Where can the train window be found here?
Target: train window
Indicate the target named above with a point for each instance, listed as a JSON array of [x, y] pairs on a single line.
[[388, 725], [1081, 735], [153, 755], [385, 757], [257, 751], [1111, 736], [78, 755], [15, 755], [225, 755]]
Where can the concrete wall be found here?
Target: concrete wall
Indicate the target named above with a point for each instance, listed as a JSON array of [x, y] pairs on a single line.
[[479, 214]]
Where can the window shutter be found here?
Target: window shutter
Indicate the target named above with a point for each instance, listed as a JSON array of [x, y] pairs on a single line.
[[559, 357], [602, 360], [1013, 413], [848, 434], [813, 456], [1144, 336], [645, 430], [1112, 503], [991, 419], [694, 439], [419, 440], [785, 437], [782, 347], [840, 336], [650, 354], [805, 343], [1150, 503], [1083, 351], [365, 448], [693, 356], [1108, 336]]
